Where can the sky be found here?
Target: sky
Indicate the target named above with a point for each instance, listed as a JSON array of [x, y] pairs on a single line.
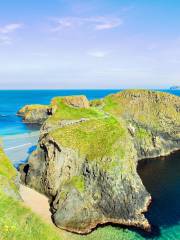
[[82, 44]]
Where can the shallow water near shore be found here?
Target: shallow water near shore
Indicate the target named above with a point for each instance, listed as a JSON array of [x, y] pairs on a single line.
[[160, 176]]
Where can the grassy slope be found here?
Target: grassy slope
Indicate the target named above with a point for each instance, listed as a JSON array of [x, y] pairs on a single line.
[[17, 221]]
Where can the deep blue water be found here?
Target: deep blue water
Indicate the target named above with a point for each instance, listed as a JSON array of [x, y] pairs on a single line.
[[162, 179], [161, 176]]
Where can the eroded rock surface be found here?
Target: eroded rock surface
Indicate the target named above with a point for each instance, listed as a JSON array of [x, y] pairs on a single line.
[[86, 158], [35, 113]]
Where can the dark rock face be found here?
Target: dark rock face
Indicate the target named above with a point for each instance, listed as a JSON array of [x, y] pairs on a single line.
[[87, 166]]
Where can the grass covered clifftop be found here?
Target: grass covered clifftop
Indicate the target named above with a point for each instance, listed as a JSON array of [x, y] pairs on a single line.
[[97, 139], [151, 117]]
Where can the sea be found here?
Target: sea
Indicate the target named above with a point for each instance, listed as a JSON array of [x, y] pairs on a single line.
[[161, 176]]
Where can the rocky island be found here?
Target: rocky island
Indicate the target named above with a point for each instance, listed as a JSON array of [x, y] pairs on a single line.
[[87, 154]]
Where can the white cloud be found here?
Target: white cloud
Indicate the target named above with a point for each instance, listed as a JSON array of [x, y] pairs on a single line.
[[108, 24], [98, 54], [9, 28], [6, 31], [97, 23]]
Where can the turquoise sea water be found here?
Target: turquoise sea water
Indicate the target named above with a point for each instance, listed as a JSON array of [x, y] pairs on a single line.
[[161, 177]]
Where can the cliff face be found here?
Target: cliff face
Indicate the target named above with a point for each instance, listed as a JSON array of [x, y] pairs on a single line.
[[86, 158]]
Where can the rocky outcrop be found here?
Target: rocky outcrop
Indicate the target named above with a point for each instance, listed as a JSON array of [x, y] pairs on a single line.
[[35, 113], [76, 101], [86, 159]]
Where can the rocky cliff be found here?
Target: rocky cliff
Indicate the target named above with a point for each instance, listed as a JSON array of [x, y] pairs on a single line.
[[86, 158], [35, 113], [153, 119]]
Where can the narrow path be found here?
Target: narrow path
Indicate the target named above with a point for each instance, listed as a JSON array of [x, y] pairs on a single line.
[[37, 202]]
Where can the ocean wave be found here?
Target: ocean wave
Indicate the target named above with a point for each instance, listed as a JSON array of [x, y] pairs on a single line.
[[19, 146]]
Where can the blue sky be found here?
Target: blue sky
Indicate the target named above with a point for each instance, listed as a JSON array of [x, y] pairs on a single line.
[[89, 44]]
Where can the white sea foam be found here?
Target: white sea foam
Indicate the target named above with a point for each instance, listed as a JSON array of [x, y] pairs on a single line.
[[19, 146]]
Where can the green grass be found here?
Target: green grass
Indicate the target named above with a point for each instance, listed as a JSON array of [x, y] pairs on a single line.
[[19, 223], [6, 168], [95, 138], [65, 112], [7, 174]]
